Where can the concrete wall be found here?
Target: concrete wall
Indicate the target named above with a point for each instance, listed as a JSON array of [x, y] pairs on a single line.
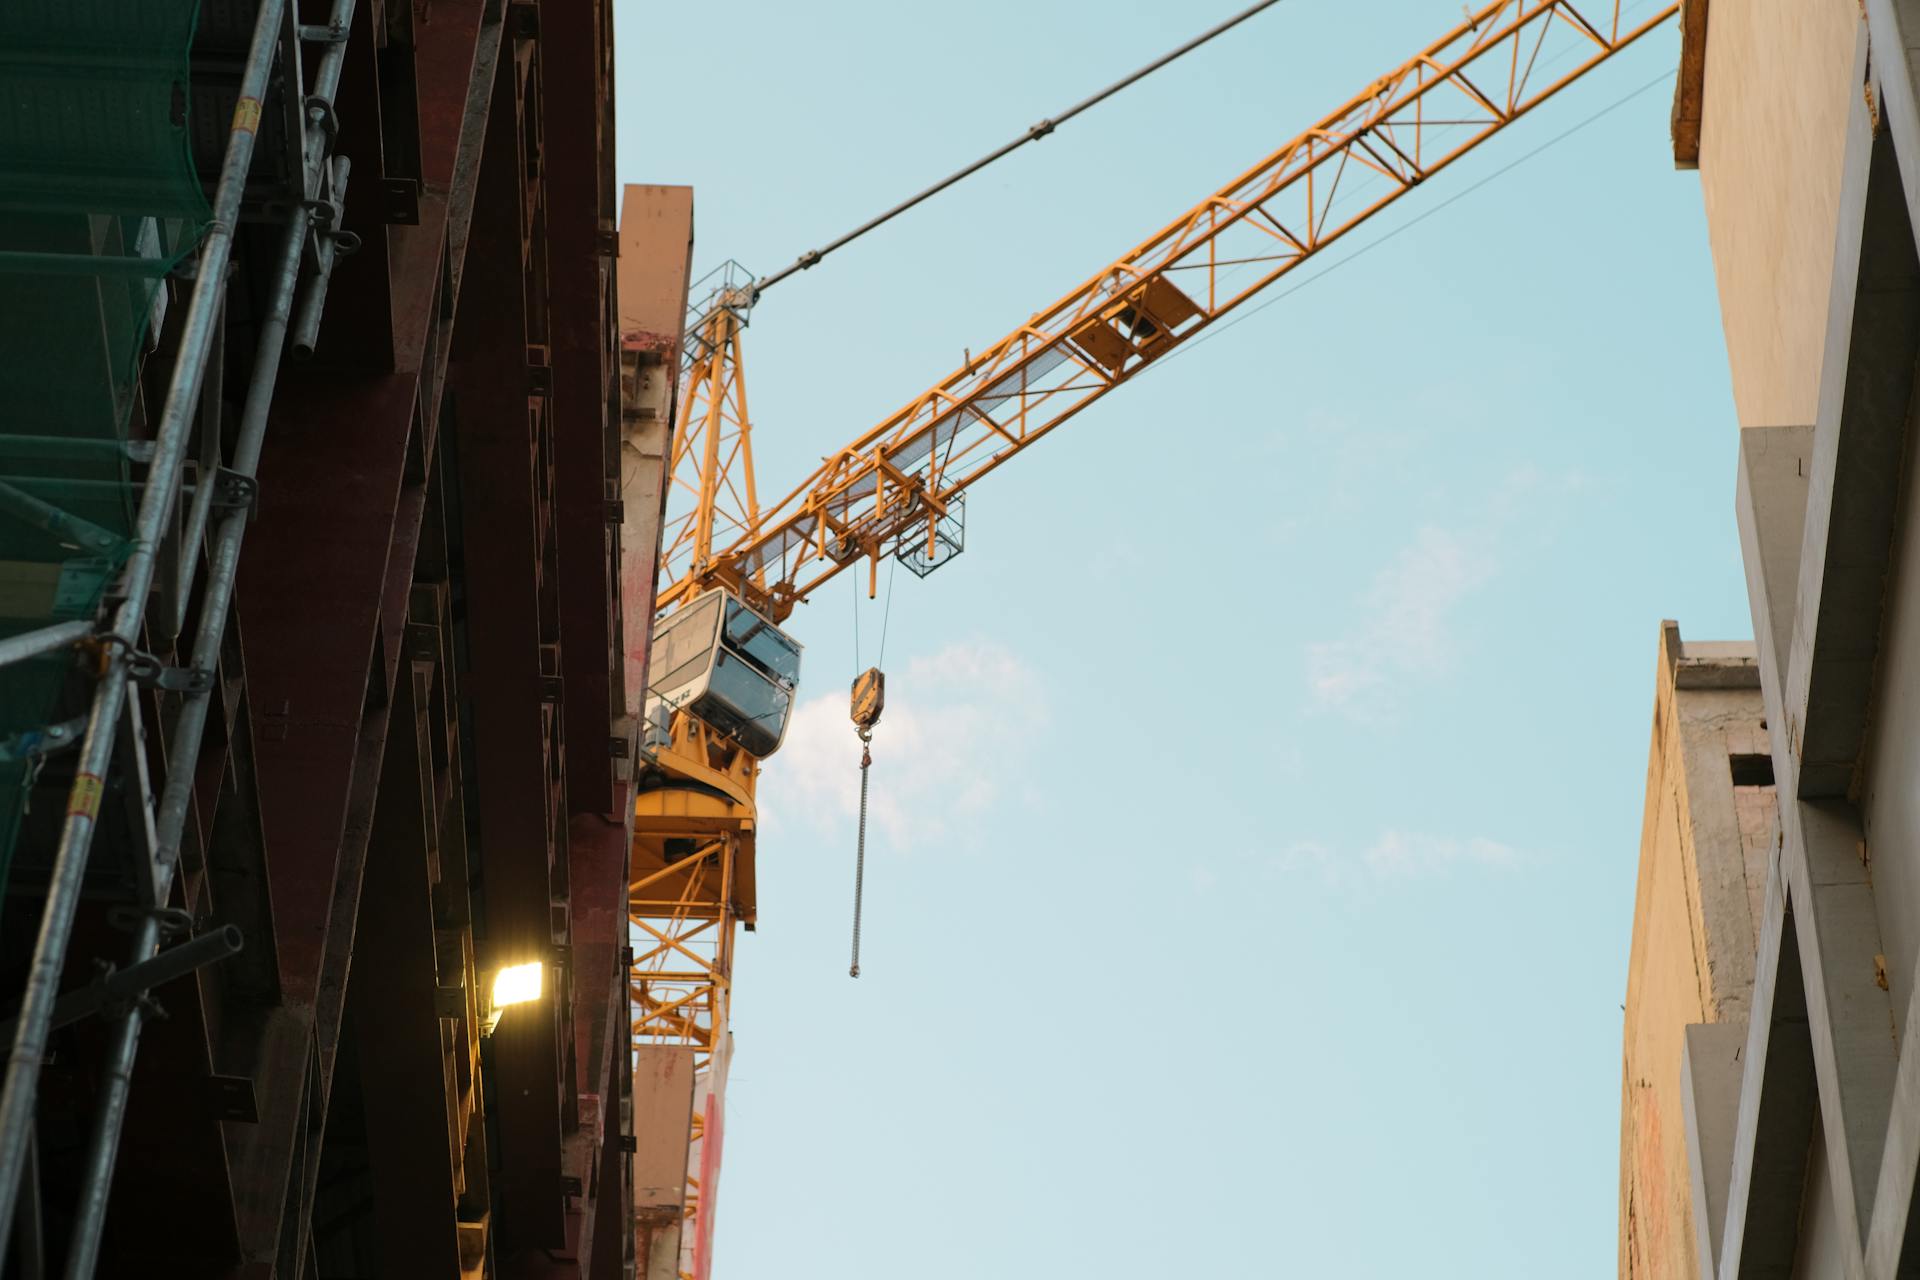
[[1810, 165], [1703, 859], [656, 242], [1821, 1251], [1890, 800], [662, 1127], [1779, 84], [656, 257]]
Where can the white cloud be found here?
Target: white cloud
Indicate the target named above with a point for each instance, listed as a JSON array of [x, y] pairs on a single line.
[[1304, 853], [1395, 857], [1404, 855], [945, 750], [1407, 623], [1407, 618]]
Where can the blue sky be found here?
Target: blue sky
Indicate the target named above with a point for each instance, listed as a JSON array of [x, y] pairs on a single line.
[[1258, 801]]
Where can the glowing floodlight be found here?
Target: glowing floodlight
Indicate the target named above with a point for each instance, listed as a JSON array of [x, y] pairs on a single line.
[[517, 984]]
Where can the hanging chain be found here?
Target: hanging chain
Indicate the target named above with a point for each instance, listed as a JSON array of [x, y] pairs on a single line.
[[860, 851]]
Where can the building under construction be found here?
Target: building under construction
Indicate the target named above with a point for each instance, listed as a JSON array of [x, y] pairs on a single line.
[[391, 627], [1770, 1114]]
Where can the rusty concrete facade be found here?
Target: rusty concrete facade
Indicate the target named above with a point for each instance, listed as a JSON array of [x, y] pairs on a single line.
[[1706, 833], [1803, 1124]]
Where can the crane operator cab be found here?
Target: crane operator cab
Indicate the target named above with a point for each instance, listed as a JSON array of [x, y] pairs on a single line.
[[721, 662]]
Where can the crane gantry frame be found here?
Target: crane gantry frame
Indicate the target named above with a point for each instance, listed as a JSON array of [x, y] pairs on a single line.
[[896, 489]]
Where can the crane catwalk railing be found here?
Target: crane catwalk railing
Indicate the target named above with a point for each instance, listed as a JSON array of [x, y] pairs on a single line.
[[893, 483]]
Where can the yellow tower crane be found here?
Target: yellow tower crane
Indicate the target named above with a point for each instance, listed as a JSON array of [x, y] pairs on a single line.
[[723, 673]]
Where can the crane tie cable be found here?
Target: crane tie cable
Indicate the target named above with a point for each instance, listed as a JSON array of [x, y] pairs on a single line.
[[1033, 134], [860, 850]]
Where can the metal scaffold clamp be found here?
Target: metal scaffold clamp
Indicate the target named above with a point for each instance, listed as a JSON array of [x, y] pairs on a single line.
[[233, 491], [145, 669]]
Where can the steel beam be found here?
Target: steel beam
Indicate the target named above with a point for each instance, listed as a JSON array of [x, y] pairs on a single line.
[[395, 1017], [332, 475], [496, 421], [578, 111]]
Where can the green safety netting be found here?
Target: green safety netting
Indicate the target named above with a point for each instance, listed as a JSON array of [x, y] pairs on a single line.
[[99, 199]]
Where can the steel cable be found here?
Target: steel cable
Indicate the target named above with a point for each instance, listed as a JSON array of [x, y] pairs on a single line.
[[860, 853], [1034, 134]]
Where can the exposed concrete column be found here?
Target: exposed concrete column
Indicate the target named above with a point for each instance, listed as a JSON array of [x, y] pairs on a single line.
[[1767, 1182], [663, 1089], [1866, 387], [1849, 1014], [1771, 505], [1894, 30], [1894, 1234], [1777, 1092], [656, 258], [1710, 1102]]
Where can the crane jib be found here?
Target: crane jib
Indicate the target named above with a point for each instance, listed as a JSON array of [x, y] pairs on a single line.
[[882, 490]]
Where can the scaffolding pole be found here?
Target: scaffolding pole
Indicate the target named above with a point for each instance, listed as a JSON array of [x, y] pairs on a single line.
[[222, 566], [157, 500], [60, 635]]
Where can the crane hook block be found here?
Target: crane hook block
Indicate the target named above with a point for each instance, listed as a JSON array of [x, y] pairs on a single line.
[[869, 698]]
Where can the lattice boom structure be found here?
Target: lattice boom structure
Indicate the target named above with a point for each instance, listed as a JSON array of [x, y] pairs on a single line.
[[889, 489]]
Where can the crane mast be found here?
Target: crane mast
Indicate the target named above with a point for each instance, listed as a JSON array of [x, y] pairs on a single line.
[[711, 473], [723, 674]]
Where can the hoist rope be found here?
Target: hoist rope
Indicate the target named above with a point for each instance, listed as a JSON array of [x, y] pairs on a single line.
[[860, 853], [1034, 134], [886, 615]]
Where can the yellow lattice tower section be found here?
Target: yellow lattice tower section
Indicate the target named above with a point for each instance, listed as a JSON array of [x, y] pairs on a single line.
[[690, 871], [684, 915], [712, 500], [690, 885]]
